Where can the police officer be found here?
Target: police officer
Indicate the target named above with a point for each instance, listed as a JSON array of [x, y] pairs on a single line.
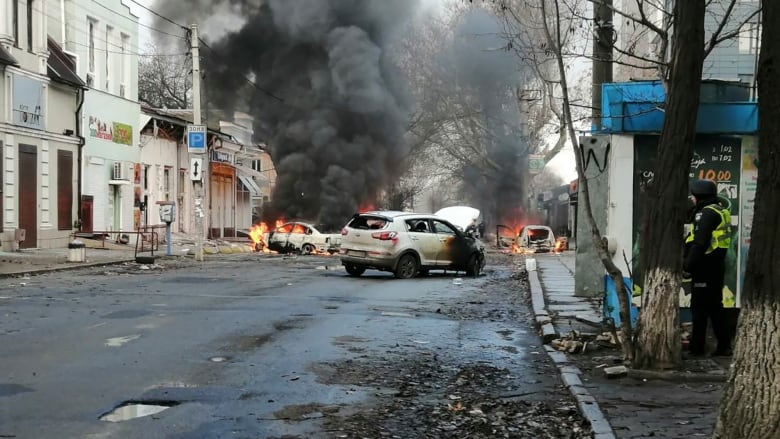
[[705, 255]]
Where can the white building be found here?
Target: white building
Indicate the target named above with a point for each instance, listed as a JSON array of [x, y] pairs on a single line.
[[102, 37], [39, 131]]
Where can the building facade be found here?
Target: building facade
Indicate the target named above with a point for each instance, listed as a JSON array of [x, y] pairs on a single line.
[[732, 60], [41, 98], [102, 38]]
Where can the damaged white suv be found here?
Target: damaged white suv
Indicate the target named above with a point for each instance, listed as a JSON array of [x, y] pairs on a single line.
[[408, 244]]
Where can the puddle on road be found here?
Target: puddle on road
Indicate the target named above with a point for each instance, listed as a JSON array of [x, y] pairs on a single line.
[[133, 410]]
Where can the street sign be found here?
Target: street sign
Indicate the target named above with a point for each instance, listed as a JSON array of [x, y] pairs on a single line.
[[196, 139], [536, 163], [196, 169]]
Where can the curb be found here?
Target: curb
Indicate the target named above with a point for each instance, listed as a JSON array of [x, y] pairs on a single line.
[[34, 271], [570, 375]]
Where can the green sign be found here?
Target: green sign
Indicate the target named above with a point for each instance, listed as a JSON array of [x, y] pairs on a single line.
[[536, 163], [123, 133]]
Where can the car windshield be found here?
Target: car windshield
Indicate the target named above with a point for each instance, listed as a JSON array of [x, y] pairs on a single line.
[[368, 222]]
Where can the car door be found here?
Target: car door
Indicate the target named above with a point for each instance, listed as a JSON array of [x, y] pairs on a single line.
[[450, 244], [298, 236], [423, 239]]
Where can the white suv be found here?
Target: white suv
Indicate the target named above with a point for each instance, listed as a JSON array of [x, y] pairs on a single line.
[[408, 244]]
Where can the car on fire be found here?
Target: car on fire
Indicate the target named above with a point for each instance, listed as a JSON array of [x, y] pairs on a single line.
[[302, 237], [536, 239], [408, 244]]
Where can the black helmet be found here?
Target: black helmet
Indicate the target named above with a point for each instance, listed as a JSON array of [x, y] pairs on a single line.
[[704, 188]]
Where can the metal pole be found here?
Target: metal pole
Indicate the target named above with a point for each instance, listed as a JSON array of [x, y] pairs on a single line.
[[198, 188]]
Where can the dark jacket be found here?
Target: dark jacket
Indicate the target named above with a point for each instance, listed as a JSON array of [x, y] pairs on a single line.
[[705, 268]]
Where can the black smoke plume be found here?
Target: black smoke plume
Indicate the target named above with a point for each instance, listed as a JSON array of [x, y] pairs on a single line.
[[325, 97]]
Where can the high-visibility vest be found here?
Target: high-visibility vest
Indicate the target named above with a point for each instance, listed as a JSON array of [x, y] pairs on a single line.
[[721, 236]]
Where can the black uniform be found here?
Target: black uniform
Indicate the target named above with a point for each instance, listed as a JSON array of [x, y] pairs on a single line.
[[707, 271]]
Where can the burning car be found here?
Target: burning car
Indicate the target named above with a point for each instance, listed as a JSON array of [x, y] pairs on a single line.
[[535, 239], [301, 237]]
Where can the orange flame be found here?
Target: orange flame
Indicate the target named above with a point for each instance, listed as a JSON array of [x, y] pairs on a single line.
[[366, 207], [257, 234]]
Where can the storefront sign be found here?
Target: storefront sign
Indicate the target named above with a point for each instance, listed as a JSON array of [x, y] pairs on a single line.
[[112, 131], [28, 101], [222, 157]]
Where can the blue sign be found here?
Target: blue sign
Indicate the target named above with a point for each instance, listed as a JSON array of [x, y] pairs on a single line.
[[196, 139]]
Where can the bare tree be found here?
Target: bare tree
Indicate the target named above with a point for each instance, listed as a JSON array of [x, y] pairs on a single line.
[[164, 81], [750, 403]]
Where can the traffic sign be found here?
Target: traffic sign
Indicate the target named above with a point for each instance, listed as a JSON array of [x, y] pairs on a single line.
[[196, 139], [536, 163], [196, 169]]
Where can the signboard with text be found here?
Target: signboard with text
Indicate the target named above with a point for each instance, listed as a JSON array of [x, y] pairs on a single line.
[[196, 139], [27, 102]]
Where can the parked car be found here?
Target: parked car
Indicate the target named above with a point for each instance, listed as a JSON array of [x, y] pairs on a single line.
[[301, 237], [536, 239], [408, 244]]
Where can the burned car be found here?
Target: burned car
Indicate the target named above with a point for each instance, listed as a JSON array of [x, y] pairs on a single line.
[[304, 238], [408, 244], [536, 239]]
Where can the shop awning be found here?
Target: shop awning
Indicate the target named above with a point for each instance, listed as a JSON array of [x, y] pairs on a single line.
[[252, 173], [250, 185]]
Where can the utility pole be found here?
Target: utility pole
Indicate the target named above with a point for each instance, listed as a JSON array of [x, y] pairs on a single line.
[[603, 34], [198, 186]]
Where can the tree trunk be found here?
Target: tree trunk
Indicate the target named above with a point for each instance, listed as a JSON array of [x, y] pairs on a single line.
[[661, 240], [750, 403]]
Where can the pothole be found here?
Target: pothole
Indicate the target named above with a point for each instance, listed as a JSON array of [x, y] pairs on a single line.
[[132, 410]]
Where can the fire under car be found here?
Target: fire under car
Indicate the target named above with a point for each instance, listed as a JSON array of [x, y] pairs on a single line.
[[301, 237]]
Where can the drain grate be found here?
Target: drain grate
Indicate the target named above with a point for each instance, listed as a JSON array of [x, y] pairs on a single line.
[[133, 409]]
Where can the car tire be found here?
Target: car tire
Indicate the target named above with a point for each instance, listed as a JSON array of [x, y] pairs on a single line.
[[407, 267], [355, 270], [307, 249], [473, 266]]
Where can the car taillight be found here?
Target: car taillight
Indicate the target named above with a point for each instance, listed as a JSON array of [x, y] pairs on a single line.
[[344, 231], [384, 236]]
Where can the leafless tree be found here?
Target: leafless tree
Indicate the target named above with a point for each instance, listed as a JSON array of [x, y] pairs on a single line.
[[164, 81]]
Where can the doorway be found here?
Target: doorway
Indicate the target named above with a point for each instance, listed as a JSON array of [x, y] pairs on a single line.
[[28, 195]]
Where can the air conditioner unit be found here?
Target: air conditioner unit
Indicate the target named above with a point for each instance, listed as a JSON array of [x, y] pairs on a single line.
[[90, 79], [118, 172]]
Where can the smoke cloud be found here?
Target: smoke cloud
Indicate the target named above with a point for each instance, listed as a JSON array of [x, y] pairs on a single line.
[[491, 74], [326, 99]]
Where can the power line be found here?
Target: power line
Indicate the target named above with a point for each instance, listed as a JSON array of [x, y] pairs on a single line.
[[138, 22], [252, 83], [159, 15], [128, 52]]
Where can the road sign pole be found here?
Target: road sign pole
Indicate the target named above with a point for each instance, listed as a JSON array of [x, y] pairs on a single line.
[[199, 187]]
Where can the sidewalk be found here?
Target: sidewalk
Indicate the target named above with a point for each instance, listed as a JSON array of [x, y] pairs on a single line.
[[29, 261], [678, 404]]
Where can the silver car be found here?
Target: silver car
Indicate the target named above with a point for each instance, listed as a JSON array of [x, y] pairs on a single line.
[[408, 244]]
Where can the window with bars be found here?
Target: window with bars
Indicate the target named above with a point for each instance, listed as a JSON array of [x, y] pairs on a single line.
[[167, 183]]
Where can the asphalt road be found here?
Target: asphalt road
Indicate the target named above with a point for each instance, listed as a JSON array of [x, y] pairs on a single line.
[[238, 347]]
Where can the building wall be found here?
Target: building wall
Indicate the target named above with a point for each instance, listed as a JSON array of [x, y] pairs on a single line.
[[157, 155], [732, 60], [103, 39], [34, 112], [589, 274], [621, 199]]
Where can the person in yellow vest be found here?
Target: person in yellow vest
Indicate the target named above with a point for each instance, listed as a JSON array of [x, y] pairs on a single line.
[[705, 254]]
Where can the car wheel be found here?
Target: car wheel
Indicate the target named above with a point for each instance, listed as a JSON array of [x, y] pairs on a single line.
[[307, 249], [355, 270], [473, 266], [407, 267]]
